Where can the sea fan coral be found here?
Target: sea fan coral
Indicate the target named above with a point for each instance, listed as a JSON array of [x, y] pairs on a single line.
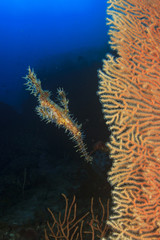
[[130, 94]]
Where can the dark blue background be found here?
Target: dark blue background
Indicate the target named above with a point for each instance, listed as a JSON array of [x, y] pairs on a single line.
[[65, 42], [40, 33]]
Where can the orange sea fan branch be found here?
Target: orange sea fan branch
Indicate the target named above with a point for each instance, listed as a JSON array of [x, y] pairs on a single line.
[[130, 94]]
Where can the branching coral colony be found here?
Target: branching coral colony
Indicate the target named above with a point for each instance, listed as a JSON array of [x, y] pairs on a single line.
[[130, 94]]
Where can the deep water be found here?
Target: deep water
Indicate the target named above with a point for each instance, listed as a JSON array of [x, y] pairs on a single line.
[[65, 42]]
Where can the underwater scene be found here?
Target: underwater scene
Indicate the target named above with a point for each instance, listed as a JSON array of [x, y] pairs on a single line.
[[80, 120], [64, 42]]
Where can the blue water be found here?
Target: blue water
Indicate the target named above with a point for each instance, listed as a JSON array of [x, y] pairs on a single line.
[[35, 30], [65, 42]]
